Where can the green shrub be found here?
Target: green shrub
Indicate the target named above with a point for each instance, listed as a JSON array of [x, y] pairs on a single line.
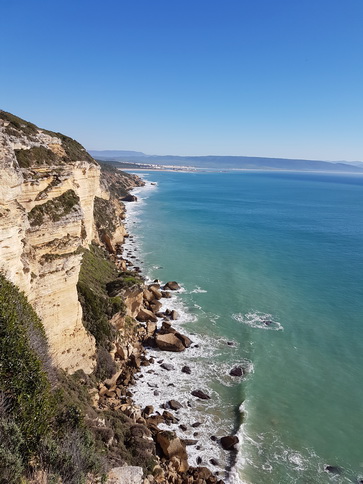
[[36, 156], [17, 124], [23, 378], [11, 462], [96, 270], [54, 209], [125, 280], [97, 306], [106, 366], [95, 310], [72, 456]]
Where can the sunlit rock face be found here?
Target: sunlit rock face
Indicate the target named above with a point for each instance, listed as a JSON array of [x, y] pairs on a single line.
[[48, 184]]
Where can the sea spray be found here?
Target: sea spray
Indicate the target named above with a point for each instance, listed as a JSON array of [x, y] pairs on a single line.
[[286, 248], [201, 421]]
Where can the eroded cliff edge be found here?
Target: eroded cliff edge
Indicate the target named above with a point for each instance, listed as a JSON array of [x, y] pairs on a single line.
[[49, 185]]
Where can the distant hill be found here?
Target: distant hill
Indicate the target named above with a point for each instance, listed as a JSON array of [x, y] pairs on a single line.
[[114, 153], [229, 162]]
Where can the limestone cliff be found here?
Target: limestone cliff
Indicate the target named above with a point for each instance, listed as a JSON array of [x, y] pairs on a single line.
[[48, 187]]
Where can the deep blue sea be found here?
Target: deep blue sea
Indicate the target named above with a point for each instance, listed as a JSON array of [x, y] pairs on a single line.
[[271, 266]]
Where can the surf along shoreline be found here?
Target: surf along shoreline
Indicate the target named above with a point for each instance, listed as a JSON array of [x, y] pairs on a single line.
[[173, 387]]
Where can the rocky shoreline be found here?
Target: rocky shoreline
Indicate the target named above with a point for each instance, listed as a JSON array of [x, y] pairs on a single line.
[[155, 330]]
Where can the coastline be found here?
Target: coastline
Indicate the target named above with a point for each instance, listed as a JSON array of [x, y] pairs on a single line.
[[164, 380], [247, 170]]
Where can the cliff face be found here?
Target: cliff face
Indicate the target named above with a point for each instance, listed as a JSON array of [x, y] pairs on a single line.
[[48, 187]]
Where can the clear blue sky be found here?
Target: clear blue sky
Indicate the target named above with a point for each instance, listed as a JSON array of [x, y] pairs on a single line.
[[236, 77]]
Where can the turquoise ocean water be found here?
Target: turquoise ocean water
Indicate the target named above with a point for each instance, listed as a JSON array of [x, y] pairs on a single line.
[[279, 247]]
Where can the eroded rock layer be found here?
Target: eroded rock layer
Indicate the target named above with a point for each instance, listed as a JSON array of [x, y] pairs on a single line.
[[48, 188]]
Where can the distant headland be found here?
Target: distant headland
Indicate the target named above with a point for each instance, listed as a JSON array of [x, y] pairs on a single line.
[[139, 160]]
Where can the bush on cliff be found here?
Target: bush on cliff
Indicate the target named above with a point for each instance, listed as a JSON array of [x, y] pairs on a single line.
[[54, 209], [40, 427], [23, 380], [95, 272]]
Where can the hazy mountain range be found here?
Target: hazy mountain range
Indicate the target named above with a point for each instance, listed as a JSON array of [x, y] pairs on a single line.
[[227, 162]]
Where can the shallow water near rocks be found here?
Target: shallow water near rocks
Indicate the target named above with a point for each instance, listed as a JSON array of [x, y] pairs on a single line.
[[272, 262]]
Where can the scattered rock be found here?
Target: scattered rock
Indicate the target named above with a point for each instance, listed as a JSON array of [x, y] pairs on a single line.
[[333, 469], [129, 198], [229, 441], [174, 405], [169, 417], [166, 294], [154, 285], [150, 329], [172, 286], [146, 315], [155, 305], [237, 371], [196, 424], [148, 410], [174, 315], [183, 427], [186, 369], [199, 460], [148, 295], [189, 441], [172, 446], [214, 462], [169, 342], [184, 339], [154, 288], [166, 328], [167, 366], [200, 394]]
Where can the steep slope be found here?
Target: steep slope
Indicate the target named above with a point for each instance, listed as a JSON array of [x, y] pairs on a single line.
[[48, 185]]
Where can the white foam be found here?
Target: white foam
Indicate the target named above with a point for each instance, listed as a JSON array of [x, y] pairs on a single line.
[[198, 290], [201, 357], [258, 320]]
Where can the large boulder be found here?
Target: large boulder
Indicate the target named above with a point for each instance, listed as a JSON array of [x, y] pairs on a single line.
[[200, 394], [155, 291], [184, 339], [155, 305], [148, 295], [229, 441], [166, 328], [167, 366], [333, 469], [186, 369], [146, 315], [169, 342], [150, 328], [172, 446], [174, 405], [237, 371], [172, 286], [129, 198], [174, 315]]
